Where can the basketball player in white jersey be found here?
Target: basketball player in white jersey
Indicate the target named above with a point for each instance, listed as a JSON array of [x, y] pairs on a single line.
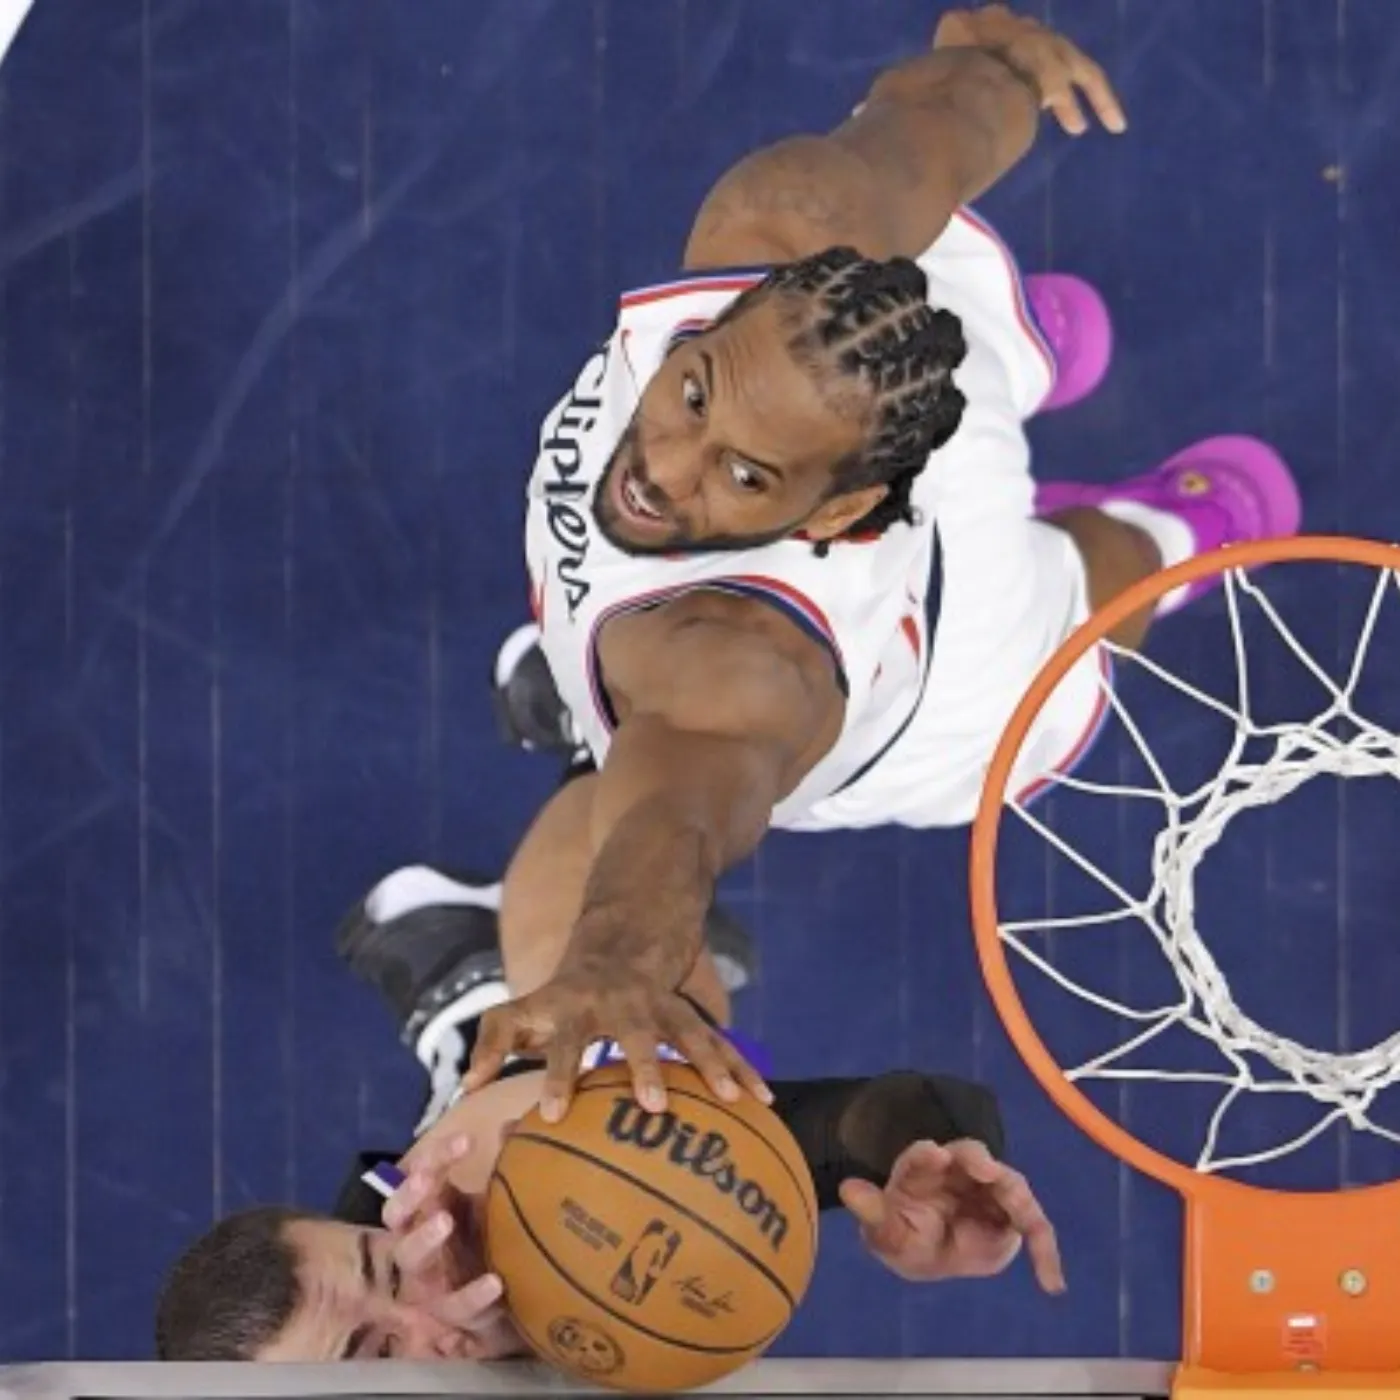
[[789, 564]]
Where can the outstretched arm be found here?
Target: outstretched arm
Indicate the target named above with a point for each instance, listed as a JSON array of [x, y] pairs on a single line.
[[933, 133], [724, 707]]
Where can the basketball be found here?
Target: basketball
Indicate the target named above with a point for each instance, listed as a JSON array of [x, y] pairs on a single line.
[[651, 1251]]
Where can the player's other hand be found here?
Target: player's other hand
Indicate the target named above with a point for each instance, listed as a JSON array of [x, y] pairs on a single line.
[[954, 1211], [560, 1020], [1059, 70], [438, 1253]]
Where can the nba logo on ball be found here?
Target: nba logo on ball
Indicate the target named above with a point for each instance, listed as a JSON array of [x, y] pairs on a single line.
[[651, 1251], [646, 1261]]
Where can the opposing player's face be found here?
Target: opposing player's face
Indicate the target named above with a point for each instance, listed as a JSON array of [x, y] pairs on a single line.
[[352, 1306], [733, 445]]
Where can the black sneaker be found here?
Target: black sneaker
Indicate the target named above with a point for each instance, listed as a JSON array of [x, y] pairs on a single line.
[[428, 942], [444, 944], [529, 712]]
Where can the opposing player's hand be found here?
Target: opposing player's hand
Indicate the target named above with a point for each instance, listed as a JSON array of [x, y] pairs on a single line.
[[565, 1016], [954, 1212], [438, 1253], [1059, 70]]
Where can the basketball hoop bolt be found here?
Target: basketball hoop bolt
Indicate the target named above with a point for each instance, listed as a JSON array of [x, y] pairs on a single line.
[[1353, 1283], [1262, 1281]]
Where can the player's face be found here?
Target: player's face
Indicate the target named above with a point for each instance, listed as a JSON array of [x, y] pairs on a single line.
[[351, 1305], [733, 445]]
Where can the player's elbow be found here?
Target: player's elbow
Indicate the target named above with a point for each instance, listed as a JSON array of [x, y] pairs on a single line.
[[797, 197]]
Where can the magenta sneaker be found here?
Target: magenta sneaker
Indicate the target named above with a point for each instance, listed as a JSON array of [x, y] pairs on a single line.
[[1076, 325], [1225, 489]]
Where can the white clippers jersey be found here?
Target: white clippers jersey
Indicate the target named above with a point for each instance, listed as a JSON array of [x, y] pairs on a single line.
[[873, 604]]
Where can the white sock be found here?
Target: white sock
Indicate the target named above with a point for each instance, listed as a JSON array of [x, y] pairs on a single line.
[[1174, 538], [416, 887]]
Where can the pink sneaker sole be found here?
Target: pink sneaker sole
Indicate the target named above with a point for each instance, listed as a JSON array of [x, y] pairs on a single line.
[[1074, 320]]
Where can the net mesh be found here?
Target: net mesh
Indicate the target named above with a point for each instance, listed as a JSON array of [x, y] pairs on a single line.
[[1265, 762]]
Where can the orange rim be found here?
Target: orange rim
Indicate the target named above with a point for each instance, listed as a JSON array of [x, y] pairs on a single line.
[[996, 970]]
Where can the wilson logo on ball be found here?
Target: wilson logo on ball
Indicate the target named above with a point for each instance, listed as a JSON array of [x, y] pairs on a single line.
[[706, 1155]]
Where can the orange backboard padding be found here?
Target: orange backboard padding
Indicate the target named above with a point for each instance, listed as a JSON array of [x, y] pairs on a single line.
[[1197, 1383], [1276, 1280]]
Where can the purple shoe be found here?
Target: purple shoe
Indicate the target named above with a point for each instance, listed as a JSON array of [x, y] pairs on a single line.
[[1225, 489], [1076, 325]]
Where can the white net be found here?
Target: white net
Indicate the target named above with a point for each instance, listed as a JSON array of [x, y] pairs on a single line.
[[1265, 763]]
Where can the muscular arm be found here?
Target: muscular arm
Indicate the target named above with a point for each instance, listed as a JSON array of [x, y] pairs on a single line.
[[724, 708], [934, 133]]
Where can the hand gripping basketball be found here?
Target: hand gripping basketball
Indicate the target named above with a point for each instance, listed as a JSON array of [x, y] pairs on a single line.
[[440, 1257], [566, 1015]]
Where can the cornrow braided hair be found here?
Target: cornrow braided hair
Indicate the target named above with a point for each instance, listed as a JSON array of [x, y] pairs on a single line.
[[872, 321]]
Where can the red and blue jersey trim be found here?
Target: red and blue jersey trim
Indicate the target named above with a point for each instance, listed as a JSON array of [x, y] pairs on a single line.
[[933, 607], [688, 330], [1024, 315], [791, 602], [719, 279], [1081, 747]]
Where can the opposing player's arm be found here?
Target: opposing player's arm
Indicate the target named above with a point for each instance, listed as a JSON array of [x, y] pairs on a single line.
[[934, 133], [724, 708]]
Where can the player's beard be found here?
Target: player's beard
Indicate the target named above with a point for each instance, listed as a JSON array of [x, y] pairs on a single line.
[[679, 541]]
